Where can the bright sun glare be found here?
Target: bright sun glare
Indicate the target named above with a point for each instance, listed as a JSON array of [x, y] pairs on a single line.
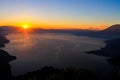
[[25, 26]]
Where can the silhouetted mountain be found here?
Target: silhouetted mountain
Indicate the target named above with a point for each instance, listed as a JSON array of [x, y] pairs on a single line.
[[4, 30], [108, 33], [10, 29], [112, 30], [70, 31], [112, 50], [7, 30]]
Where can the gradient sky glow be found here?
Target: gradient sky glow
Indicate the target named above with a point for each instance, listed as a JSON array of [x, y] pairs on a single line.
[[60, 13]]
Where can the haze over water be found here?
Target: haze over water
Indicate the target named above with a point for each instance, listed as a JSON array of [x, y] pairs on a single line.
[[59, 50]]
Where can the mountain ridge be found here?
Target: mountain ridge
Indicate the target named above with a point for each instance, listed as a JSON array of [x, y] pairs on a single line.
[[114, 29]]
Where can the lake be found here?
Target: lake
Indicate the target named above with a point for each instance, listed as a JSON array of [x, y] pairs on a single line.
[[35, 50]]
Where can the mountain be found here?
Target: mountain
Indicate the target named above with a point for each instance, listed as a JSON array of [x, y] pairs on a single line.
[[108, 33], [112, 30], [10, 29], [4, 30]]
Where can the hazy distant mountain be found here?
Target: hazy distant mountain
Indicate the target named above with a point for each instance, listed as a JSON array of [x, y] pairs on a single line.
[[7, 30], [110, 32], [11, 29], [4, 30], [114, 29], [79, 32]]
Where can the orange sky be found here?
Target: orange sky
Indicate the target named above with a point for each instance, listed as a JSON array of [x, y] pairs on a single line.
[[60, 14], [52, 25]]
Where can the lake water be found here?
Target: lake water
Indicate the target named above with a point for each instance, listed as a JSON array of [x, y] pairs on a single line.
[[35, 50]]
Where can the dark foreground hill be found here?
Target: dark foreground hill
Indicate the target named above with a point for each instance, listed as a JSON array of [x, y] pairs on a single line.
[[5, 58], [51, 73]]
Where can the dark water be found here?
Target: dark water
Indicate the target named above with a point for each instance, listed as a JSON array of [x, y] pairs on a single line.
[[59, 50]]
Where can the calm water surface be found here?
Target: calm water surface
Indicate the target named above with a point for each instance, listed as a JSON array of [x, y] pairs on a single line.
[[35, 50]]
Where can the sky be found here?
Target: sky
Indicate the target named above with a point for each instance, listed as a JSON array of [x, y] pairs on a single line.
[[57, 14]]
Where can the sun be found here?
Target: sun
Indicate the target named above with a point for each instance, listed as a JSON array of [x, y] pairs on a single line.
[[25, 26]]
